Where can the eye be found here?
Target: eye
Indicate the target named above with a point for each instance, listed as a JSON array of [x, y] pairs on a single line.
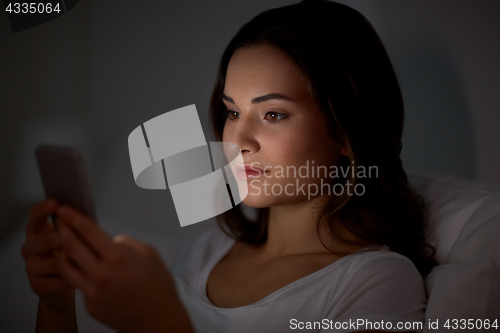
[[231, 114], [271, 116], [275, 117]]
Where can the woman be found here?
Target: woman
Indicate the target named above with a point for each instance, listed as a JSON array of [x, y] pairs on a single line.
[[304, 84]]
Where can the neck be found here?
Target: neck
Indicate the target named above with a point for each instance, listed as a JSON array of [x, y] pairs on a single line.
[[292, 229]]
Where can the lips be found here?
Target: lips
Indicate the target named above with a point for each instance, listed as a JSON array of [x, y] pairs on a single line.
[[247, 171], [248, 167]]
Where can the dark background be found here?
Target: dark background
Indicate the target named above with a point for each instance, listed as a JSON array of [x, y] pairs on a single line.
[[91, 76]]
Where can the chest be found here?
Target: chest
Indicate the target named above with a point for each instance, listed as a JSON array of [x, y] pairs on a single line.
[[238, 281]]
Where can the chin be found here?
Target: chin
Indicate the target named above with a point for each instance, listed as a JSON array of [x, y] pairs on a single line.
[[256, 201], [265, 201]]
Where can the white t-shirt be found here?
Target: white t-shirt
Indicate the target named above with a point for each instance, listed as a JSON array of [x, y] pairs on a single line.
[[372, 286]]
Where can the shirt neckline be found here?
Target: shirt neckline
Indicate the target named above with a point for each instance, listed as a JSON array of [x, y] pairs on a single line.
[[224, 250]]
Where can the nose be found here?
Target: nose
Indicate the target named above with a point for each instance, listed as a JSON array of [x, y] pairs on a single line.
[[244, 133]]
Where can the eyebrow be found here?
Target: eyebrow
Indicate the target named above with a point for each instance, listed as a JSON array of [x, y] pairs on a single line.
[[260, 99]]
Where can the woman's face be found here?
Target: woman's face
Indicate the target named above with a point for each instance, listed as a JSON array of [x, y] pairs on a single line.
[[274, 120]]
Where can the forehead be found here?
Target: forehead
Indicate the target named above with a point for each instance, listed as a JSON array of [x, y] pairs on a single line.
[[259, 69]]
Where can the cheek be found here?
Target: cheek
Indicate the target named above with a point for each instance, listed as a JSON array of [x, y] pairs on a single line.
[[307, 144], [290, 150]]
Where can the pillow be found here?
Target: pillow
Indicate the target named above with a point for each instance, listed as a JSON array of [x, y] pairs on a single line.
[[464, 227], [463, 291], [451, 203]]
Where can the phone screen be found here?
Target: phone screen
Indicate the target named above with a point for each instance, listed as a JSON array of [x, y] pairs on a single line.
[[63, 176]]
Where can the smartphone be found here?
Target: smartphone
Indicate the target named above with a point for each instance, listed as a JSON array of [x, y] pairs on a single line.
[[63, 176]]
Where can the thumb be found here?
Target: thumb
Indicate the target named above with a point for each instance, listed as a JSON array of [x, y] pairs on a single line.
[[131, 242]]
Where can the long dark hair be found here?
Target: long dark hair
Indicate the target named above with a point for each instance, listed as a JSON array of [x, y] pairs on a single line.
[[350, 76]]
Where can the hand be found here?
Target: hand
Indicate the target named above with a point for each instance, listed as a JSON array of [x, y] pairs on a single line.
[[124, 281], [41, 252]]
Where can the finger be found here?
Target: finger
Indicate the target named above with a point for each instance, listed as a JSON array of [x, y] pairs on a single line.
[[77, 250], [72, 275], [43, 244], [86, 229], [47, 285], [39, 213], [42, 267]]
